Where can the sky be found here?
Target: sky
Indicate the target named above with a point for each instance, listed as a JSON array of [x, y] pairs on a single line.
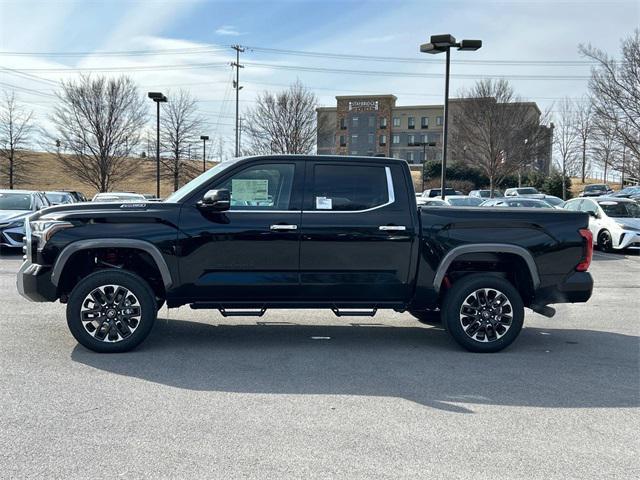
[[166, 45]]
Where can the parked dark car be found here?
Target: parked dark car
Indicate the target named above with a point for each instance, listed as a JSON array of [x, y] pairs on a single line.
[[79, 196], [595, 190], [342, 233], [15, 206]]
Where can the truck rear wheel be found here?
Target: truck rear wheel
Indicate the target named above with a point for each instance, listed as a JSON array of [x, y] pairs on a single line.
[[483, 313], [111, 311]]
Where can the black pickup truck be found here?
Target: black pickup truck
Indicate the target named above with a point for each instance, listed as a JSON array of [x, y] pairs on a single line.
[[343, 233]]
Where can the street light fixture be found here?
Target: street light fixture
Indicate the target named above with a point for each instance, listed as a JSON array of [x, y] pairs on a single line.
[[439, 44], [157, 97], [424, 146], [204, 139]]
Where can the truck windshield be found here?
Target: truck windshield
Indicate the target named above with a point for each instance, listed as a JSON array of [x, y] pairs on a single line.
[[184, 191]]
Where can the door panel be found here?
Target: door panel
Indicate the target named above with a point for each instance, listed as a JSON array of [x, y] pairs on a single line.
[[250, 252], [357, 233]]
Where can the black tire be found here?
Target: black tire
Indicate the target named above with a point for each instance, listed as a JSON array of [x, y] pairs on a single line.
[[132, 328], [502, 323], [605, 241], [427, 317]]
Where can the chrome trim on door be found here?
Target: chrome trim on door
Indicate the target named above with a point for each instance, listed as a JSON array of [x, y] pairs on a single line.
[[284, 227], [392, 228]]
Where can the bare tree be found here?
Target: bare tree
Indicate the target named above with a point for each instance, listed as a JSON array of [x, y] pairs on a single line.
[[615, 89], [181, 127], [605, 146], [99, 120], [566, 139], [584, 128], [283, 122], [15, 131], [501, 133]]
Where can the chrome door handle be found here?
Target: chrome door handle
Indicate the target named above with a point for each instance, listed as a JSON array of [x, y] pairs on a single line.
[[284, 227], [392, 228]]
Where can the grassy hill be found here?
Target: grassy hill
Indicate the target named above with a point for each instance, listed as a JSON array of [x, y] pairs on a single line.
[[46, 173]]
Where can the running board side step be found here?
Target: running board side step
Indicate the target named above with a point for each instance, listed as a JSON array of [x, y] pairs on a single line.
[[353, 312], [242, 312]]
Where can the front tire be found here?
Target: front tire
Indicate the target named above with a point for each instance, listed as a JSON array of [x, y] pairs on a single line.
[[605, 241], [483, 313], [111, 311]]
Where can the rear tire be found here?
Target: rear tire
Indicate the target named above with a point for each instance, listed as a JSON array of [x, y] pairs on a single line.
[[111, 311], [483, 313]]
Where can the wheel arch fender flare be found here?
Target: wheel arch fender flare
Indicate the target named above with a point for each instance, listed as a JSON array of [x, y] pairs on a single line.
[[147, 247], [454, 253]]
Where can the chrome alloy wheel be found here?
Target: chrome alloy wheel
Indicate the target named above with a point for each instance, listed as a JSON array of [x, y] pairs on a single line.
[[110, 313], [486, 315]]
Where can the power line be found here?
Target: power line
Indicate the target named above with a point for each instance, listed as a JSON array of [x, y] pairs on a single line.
[[121, 53]]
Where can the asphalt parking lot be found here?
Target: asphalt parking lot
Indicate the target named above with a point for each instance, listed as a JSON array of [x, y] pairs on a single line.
[[306, 395]]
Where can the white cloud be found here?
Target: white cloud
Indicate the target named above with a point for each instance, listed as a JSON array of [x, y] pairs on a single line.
[[228, 30]]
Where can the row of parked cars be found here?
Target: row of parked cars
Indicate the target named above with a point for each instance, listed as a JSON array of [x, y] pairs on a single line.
[[16, 205], [614, 217]]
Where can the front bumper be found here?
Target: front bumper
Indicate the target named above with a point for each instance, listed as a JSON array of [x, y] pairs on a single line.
[[628, 239], [12, 236], [576, 287], [34, 283]]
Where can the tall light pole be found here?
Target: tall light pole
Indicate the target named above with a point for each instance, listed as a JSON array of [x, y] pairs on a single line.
[[439, 44], [204, 139], [157, 97]]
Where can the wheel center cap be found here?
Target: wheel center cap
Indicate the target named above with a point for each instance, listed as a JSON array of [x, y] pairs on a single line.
[[485, 315], [111, 313]]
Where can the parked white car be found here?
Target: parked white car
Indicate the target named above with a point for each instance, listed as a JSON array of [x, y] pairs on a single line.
[[528, 192], [110, 197], [463, 201], [614, 222]]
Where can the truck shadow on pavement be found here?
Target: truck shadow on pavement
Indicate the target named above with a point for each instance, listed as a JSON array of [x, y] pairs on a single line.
[[544, 368]]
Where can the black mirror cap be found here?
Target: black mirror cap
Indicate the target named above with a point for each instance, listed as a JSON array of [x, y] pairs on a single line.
[[216, 200]]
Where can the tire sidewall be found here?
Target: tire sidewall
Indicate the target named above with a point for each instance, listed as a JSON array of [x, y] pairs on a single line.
[[459, 292], [134, 284], [604, 248]]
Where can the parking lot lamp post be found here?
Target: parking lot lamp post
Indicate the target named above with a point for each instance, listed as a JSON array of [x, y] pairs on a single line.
[[440, 44], [424, 146], [204, 139], [157, 97]]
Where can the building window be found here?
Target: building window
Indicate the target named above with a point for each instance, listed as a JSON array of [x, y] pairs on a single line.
[[343, 124], [383, 140], [343, 140], [395, 139], [396, 154], [354, 138], [383, 122], [411, 122], [354, 121], [424, 138], [439, 121], [412, 139], [396, 121], [372, 121], [409, 156], [371, 138], [424, 122]]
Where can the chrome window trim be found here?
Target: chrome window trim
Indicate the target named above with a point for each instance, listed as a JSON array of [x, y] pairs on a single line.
[[390, 191]]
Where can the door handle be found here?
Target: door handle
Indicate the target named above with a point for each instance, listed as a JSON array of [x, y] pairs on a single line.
[[392, 228], [284, 227]]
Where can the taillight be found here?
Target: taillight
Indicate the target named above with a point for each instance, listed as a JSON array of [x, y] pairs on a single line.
[[587, 253]]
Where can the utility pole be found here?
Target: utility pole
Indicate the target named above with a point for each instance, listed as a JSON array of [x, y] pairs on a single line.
[[237, 87], [239, 138]]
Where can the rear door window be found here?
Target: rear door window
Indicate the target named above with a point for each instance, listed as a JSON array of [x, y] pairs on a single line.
[[349, 188]]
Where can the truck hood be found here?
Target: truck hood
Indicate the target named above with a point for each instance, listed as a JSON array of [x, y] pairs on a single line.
[[7, 216], [90, 210]]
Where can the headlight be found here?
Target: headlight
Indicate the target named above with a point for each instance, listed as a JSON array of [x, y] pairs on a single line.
[[44, 229]]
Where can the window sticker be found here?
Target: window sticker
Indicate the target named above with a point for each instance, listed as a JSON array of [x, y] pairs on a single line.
[[244, 190], [323, 203]]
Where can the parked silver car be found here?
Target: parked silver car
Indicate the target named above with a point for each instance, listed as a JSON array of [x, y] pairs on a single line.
[[518, 202], [614, 222], [118, 197], [463, 201], [15, 207], [528, 192]]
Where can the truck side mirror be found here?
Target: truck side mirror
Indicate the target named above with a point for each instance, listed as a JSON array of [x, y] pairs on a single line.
[[215, 200]]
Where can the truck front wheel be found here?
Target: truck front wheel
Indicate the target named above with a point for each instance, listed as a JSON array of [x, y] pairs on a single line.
[[111, 311], [483, 313]]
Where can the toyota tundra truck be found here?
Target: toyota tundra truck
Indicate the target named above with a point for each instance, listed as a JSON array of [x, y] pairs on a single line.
[[304, 232]]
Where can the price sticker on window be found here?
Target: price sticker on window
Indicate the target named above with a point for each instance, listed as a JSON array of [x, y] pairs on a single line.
[[245, 190], [323, 203]]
